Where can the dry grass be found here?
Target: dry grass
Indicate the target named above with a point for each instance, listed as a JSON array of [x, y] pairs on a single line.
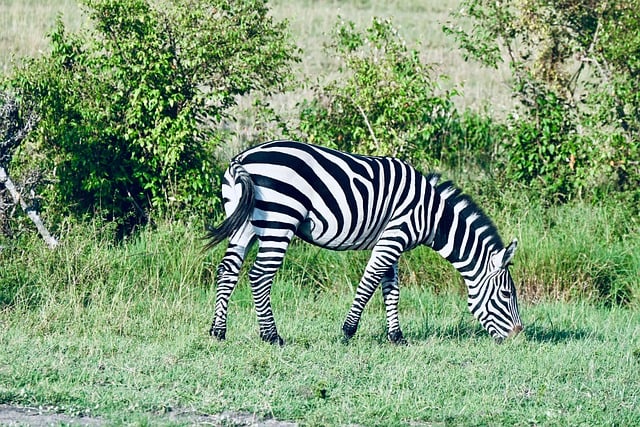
[[24, 25], [419, 22]]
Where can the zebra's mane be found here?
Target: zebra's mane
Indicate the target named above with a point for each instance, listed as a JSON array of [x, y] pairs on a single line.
[[455, 196]]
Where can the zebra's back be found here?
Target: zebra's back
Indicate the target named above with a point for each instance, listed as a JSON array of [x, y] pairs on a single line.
[[334, 199]]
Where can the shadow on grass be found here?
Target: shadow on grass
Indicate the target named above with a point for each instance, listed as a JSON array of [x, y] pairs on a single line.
[[459, 331], [553, 334], [532, 332]]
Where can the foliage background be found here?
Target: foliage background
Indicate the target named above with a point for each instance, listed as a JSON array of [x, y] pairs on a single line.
[[574, 68], [142, 103], [130, 107]]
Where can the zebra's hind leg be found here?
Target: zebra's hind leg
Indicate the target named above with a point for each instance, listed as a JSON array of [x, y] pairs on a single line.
[[391, 295], [383, 258], [268, 261], [228, 271]]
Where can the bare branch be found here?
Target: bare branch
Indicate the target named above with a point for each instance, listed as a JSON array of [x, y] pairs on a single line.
[[366, 121], [50, 240], [13, 132]]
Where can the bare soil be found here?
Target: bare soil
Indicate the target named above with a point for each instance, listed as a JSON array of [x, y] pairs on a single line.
[[40, 417]]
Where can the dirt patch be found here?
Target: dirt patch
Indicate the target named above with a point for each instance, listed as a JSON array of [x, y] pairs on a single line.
[[38, 417], [41, 417], [238, 419]]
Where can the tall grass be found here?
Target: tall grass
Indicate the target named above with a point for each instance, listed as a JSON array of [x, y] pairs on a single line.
[[574, 251], [578, 250], [119, 331], [24, 25]]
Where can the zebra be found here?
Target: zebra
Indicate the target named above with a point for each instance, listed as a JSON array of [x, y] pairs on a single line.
[[340, 201]]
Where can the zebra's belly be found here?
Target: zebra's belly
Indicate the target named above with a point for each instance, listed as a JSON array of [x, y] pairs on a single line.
[[318, 233]]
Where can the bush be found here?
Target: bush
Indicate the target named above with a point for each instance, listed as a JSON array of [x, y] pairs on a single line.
[[544, 149], [575, 68], [129, 108], [386, 101]]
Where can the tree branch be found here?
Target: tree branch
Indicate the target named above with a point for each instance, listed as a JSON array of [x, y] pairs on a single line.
[[50, 240], [13, 133], [366, 121]]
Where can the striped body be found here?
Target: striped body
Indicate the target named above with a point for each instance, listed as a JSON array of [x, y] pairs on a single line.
[[341, 201]]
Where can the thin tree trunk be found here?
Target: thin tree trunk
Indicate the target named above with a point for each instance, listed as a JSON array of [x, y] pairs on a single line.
[[50, 240]]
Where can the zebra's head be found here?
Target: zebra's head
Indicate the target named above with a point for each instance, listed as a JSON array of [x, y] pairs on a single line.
[[494, 303]]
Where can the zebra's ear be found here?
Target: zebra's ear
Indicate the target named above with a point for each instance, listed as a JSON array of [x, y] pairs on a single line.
[[509, 252]]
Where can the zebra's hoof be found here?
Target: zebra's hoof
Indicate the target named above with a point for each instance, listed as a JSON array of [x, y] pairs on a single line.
[[273, 339], [396, 338], [218, 333], [348, 331]]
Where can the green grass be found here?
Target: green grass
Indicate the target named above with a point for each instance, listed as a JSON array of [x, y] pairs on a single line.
[[575, 365], [119, 331]]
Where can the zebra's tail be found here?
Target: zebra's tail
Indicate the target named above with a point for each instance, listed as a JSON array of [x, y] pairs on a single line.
[[242, 211]]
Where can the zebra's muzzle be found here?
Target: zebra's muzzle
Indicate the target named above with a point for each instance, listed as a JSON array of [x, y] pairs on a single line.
[[515, 331]]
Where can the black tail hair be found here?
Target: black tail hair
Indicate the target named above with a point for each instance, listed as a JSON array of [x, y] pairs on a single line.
[[243, 211]]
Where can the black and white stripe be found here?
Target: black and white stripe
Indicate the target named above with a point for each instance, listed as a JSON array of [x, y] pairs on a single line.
[[281, 189]]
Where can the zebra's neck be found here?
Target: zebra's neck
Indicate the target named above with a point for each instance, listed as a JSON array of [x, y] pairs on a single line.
[[459, 230]]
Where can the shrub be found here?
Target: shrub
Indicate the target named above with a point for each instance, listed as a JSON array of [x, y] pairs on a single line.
[[129, 108], [544, 149], [575, 68], [385, 102]]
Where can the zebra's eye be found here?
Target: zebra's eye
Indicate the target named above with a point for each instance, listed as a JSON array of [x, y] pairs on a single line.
[[505, 294]]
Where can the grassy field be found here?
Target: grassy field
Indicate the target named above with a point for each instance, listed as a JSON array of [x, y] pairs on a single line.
[[119, 331], [24, 25], [576, 365]]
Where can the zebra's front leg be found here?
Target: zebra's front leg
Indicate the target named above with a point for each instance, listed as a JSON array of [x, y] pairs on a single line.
[[382, 259], [391, 295]]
